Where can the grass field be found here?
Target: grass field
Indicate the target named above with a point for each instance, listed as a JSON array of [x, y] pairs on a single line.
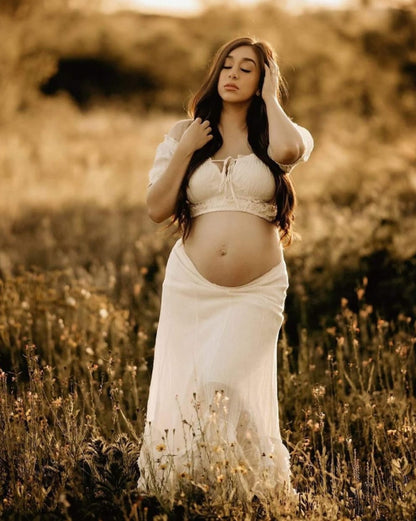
[[81, 268]]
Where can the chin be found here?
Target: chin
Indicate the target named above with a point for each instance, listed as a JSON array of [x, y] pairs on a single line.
[[234, 97]]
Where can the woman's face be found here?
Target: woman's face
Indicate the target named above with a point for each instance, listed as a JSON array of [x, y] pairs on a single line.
[[239, 78]]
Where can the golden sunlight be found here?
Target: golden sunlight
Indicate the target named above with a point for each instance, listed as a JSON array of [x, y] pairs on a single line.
[[189, 7]]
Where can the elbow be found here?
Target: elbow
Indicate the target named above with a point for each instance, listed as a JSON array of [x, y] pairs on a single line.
[[155, 215], [287, 155], [295, 153], [156, 212], [158, 208]]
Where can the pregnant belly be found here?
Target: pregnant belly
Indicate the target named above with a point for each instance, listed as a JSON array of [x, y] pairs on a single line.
[[233, 248]]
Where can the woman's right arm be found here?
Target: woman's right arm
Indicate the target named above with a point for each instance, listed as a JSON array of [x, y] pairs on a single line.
[[163, 193]]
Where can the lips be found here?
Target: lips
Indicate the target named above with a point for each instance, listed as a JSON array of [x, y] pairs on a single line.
[[230, 86]]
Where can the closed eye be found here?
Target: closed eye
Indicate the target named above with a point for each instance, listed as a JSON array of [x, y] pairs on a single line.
[[229, 67]]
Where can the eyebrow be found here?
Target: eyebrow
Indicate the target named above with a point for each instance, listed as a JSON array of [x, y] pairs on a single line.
[[244, 59]]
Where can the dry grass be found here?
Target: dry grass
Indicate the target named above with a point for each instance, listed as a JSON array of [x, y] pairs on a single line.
[[101, 157], [81, 269], [71, 411]]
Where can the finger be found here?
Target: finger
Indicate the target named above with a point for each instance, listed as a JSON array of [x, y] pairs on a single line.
[[274, 66], [198, 120], [206, 123]]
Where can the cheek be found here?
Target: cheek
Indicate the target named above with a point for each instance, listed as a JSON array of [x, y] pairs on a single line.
[[254, 82], [257, 81], [222, 75]]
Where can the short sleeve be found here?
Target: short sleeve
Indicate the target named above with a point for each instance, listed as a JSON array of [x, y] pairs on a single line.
[[308, 144], [164, 153]]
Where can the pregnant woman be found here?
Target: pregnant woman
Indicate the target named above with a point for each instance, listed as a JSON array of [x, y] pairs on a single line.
[[222, 176]]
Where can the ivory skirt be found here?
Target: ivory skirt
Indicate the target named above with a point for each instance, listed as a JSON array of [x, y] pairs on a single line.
[[212, 409]]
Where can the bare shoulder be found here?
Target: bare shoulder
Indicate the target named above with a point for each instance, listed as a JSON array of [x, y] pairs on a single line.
[[179, 128]]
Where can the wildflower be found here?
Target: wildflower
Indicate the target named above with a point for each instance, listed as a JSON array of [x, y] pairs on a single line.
[[240, 468], [103, 313], [70, 301], [318, 391], [25, 305], [341, 341], [57, 402], [220, 478], [143, 366], [402, 351], [360, 293], [162, 466], [160, 447], [86, 294], [132, 369], [89, 351]]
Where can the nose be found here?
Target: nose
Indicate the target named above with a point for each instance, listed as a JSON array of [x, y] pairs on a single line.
[[232, 73]]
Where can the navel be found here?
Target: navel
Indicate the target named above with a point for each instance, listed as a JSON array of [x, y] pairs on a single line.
[[223, 251]]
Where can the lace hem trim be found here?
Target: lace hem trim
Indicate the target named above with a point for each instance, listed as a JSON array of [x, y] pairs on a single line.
[[260, 208]]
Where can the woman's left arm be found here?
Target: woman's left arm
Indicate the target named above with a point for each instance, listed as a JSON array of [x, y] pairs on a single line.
[[286, 145]]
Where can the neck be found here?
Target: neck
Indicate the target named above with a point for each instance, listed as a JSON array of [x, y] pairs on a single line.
[[234, 115]]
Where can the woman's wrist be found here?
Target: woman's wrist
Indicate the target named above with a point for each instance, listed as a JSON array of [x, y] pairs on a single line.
[[270, 98], [185, 151]]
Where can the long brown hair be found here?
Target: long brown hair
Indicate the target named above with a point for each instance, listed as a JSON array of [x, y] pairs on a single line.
[[207, 104]]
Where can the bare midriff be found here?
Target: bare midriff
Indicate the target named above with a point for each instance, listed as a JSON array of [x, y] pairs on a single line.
[[232, 248]]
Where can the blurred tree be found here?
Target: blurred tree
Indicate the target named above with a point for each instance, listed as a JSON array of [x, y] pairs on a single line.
[[385, 4], [24, 8]]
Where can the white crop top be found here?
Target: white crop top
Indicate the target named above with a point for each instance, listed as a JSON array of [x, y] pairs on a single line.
[[243, 184]]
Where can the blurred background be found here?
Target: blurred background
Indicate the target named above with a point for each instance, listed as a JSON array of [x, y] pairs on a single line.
[[88, 89]]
